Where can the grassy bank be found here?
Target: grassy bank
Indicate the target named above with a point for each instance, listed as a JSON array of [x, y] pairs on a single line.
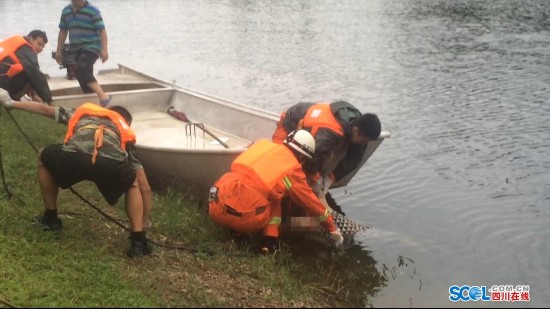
[[85, 264]]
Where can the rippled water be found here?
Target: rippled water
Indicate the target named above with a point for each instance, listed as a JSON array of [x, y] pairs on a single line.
[[460, 194]]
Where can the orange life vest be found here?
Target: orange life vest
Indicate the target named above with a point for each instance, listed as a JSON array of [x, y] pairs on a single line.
[[7, 50], [320, 116], [127, 135], [267, 163]]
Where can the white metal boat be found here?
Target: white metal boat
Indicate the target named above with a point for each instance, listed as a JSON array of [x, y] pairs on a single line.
[[189, 156]]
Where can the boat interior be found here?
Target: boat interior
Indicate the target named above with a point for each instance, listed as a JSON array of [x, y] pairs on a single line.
[[109, 88], [112, 80], [209, 135], [212, 124], [161, 130]]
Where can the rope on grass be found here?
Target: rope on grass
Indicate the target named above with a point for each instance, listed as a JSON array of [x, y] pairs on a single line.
[[180, 247], [183, 248], [2, 166], [188, 249], [6, 303]]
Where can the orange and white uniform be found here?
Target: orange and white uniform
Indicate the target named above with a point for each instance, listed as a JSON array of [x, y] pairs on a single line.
[[248, 198]]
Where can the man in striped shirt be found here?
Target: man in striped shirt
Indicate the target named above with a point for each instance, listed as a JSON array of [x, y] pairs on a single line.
[[83, 23]]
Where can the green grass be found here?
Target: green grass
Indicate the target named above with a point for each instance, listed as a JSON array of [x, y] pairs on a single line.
[[85, 264]]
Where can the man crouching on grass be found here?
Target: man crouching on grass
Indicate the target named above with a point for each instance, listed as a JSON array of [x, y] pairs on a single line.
[[98, 146]]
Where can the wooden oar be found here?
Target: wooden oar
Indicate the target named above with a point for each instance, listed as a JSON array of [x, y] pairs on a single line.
[[183, 117]]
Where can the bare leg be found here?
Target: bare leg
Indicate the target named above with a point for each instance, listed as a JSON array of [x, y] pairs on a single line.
[[96, 87], [84, 71], [146, 197], [134, 208], [48, 186], [139, 245]]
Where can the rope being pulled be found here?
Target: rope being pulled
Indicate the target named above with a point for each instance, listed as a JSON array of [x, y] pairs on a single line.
[[6, 303], [188, 249], [2, 166]]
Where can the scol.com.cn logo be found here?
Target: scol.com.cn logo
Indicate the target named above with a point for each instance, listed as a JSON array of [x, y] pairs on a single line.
[[507, 293]]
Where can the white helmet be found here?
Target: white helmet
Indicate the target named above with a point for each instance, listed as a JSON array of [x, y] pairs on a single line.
[[301, 141]]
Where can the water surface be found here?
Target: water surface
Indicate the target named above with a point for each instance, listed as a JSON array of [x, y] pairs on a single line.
[[460, 194]]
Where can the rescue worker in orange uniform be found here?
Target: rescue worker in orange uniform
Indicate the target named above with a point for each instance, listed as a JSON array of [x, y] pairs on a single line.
[[99, 147], [341, 135], [248, 198], [19, 69]]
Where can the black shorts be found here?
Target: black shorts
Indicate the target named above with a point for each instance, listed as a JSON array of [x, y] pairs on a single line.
[[113, 178], [84, 69]]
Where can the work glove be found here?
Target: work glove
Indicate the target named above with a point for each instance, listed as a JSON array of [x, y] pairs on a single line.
[[5, 99], [337, 238]]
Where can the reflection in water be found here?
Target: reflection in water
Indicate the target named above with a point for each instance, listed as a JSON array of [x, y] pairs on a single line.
[[461, 84], [352, 274]]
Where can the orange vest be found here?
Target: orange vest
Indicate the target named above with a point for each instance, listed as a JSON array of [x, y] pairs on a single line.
[[90, 109], [320, 116], [7, 49], [266, 162]]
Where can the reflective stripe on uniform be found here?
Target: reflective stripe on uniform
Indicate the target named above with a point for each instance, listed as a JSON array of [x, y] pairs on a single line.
[[324, 217], [287, 182], [275, 220]]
